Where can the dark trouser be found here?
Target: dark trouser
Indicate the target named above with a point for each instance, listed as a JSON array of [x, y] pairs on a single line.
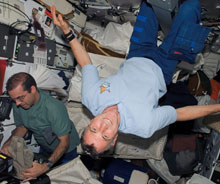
[[144, 36], [65, 158]]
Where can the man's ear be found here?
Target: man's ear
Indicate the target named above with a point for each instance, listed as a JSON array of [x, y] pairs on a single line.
[[114, 140], [33, 89]]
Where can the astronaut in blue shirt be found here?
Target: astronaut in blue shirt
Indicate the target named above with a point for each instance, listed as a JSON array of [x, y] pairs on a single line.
[[127, 101]]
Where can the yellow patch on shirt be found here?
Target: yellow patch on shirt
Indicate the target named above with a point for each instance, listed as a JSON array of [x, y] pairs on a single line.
[[105, 87]]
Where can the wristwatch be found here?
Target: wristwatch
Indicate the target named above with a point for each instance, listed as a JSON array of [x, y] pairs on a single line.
[[49, 163], [69, 36]]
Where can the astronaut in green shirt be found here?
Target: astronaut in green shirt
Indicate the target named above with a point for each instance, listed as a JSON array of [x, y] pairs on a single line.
[[48, 120]]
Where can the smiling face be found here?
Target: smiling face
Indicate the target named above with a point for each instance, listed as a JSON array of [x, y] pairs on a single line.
[[24, 98], [102, 131]]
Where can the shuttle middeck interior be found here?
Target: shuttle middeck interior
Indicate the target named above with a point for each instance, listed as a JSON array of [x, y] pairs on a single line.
[[179, 153]]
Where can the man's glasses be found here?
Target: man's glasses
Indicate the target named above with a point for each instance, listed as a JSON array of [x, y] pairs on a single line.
[[19, 98]]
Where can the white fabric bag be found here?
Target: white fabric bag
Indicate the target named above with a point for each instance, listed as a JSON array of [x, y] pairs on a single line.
[[72, 172]]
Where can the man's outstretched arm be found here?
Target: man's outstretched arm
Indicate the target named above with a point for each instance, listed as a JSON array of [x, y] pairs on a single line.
[[79, 52], [197, 111]]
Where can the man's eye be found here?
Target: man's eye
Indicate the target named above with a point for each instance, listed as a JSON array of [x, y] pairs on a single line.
[[93, 129], [21, 98], [106, 137]]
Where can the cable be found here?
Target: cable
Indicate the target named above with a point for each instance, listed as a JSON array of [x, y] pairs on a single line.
[[8, 125], [12, 27], [14, 30], [18, 10]]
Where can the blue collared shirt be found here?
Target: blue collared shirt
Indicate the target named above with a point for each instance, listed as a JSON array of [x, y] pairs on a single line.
[[135, 88]]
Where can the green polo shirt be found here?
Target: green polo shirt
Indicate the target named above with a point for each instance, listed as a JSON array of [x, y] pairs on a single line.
[[47, 114]]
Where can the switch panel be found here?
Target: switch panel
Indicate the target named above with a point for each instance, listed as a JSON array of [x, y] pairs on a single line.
[[79, 18], [64, 58], [7, 42], [26, 50]]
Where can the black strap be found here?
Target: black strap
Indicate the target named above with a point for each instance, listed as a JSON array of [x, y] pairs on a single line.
[[69, 36], [43, 179]]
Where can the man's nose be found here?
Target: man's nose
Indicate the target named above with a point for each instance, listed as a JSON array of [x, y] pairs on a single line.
[[103, 126], [18, 102]]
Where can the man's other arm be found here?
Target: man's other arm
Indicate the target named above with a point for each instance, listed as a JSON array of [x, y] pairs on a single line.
[[18, 131], [39, 169], [197, 111], [60, 149]]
